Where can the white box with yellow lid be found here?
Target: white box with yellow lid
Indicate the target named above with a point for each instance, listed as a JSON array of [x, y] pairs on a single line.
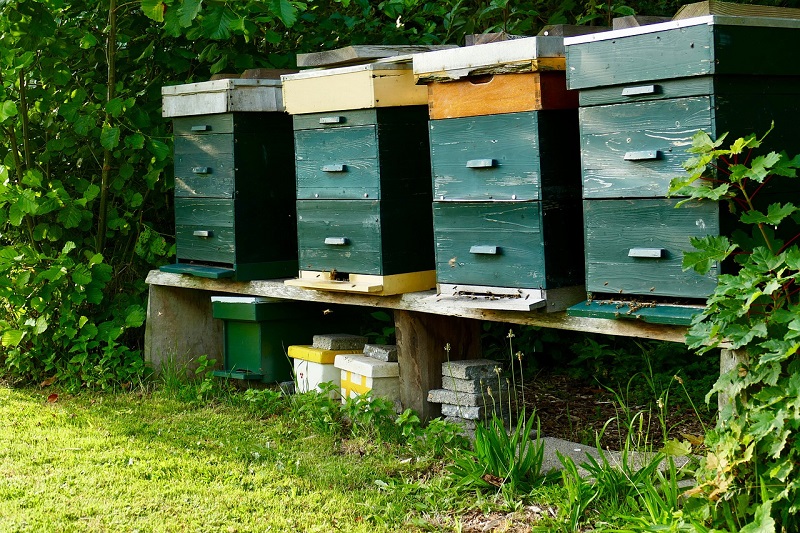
[[361, 374], [313, 366]]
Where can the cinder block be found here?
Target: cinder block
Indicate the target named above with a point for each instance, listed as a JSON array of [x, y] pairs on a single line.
[[469, 425], [339, 341], [381, 352], [471, 399], [473, 385], [473, 413], [470, 369]]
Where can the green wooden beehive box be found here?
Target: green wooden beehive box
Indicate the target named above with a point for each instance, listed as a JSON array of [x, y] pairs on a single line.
[[506, 177], [257, 332], [234, 180], [644, 92], [362, 161]]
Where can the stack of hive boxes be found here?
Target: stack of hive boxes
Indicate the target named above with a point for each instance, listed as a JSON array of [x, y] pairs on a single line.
[[506, 175], [644, 92], [234, 179], [472, 390], [363, 176]]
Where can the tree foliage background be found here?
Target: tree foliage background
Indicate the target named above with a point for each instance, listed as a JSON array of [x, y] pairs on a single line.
[[85, 157]]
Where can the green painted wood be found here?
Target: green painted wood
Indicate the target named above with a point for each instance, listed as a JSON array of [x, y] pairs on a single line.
[[512, 228], [635, 149], [681, 52], [266, 309], [201, 271], [380, 238], [336, 119], [386, 159], [614, 227], [649, 56], [357, 221], [638, 92], [509, 141], [203, 124], [675, 315], [204, 165]]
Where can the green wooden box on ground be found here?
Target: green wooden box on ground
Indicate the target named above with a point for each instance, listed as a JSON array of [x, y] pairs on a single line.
[[644, 92], [234, 181], [257, 332]]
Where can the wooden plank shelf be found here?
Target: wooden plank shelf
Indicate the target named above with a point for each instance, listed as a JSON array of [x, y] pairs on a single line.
[[180, 326]]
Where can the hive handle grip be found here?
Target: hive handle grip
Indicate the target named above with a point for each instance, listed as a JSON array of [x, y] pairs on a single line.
[[337, 241], [642, 155], [641, 90], [481, 163], [201, 170], [334, 167], [647, 253], [484, 250], [204, 233], [201, 127], [331, 120]]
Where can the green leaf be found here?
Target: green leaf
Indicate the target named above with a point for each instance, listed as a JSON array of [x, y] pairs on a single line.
[[70, 216], [68, 247], [41, 325], [710, 249], [135, 316], [12, 337], [115, 107], [91, 192], [135, 140], [188, 11], [217, 22], [81, 274], [159, 149], [285, 11], [676, 448], [774, 215], [88, 41], [109, 137], [154, 9], [7, 110], [763, 521]]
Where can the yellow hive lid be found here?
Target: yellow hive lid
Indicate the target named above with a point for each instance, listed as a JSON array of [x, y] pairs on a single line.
[[317, 355]]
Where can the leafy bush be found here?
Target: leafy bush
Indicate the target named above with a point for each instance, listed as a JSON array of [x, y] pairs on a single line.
[[750, 479]]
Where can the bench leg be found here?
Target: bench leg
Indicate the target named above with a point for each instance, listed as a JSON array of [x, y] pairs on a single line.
[[421, 340], [180, 327]]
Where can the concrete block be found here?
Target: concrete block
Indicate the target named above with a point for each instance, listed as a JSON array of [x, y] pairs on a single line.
[[470, 399], [339, 341], [463, 422], [381, 352], [470, 369], [474, 385], [472, 413]]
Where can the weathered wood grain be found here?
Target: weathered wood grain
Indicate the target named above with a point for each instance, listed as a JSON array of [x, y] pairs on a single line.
[[363, 53], [421, 341], [514, 228], [420, 302], [614, 227], [715, 7], [510, 141], [635, 149], [501, 93]]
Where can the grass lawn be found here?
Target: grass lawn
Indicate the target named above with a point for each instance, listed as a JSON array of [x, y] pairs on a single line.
[[133, 462]]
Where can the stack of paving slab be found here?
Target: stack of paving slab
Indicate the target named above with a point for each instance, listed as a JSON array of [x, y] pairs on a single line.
[[376, 370], [472, 391]]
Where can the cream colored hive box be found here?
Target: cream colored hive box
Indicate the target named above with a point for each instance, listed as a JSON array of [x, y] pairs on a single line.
[[222, 96], [361, 374], [385, 84], [313, 366]]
